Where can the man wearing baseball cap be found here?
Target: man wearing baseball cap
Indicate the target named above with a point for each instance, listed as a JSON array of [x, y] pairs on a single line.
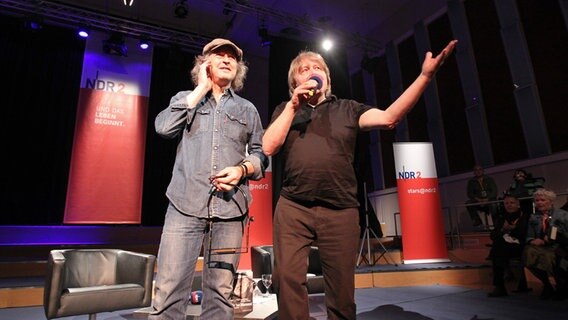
[[219, 150]]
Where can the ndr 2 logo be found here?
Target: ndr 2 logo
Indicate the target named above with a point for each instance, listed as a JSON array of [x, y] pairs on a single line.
[[408, 174], [105, 85]]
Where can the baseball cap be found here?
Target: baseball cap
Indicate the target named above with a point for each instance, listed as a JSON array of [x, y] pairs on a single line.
[[219, 42]]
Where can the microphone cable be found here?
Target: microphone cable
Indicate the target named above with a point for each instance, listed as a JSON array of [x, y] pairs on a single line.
[[246, 230]]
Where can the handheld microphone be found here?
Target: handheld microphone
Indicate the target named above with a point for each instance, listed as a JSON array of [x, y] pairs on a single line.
[[196, 297], [317, 79]]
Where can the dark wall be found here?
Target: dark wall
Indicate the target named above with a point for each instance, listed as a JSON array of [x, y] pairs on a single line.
[[547, 41], [452, 101]]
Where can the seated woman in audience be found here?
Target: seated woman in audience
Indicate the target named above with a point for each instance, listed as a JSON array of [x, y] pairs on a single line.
[[508, 242], [546, 231]]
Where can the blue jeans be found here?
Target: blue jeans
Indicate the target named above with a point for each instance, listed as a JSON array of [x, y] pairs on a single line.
[[180, 247]]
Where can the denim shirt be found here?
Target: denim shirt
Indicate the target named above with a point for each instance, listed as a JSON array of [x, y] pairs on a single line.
[[536, 230], [213, 136]]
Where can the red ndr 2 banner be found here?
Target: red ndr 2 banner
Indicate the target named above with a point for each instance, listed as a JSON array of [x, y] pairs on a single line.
[[421, 219], [107, 161]]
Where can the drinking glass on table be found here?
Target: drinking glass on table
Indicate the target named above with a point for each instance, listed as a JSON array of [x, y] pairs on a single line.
[[267, 282]]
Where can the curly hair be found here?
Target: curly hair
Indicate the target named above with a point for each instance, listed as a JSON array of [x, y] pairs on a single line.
[[237, 84], [545, 193]]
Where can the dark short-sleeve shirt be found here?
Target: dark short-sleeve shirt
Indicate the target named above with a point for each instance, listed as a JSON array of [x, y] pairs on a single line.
[[318, 153]]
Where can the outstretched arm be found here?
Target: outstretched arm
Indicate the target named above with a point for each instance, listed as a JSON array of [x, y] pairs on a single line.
[[389, 118]]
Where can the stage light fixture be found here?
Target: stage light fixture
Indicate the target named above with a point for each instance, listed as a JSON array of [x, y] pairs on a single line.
[[144, 43], [180, 9], [327, 44], [115, 45], [33, 23], [83, 32]]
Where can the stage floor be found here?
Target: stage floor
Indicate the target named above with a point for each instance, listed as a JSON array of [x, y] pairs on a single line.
[[432, 302]]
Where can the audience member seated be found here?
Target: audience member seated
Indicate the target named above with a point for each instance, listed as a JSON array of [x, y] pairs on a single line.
[[546, 238], [508, 238], [518, 188], [523, 186], [481, 189]]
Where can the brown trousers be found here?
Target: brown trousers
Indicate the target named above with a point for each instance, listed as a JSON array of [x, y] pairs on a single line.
[[336, 233]]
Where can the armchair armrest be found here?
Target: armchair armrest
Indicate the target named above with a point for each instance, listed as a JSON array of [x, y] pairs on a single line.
[[261, 260], [54, 282], [133, 267]]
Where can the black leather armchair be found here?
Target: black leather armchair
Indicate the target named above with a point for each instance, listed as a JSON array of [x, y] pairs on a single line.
[[89, 281], [262, 262]]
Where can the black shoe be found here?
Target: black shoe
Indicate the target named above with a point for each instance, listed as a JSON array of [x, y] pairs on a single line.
[[497, 292]]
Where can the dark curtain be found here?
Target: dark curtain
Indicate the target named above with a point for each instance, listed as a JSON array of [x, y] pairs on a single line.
[[42, 74], [170, 74]]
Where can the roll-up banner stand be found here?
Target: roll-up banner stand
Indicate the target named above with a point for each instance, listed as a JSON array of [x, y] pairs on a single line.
[[421, 219], [107, 161]]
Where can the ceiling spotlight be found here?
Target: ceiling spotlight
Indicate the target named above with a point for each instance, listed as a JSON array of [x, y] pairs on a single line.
[[144, 43], [327, 44], [34, 24], [180, 9], [115, 45], [83, 31]]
